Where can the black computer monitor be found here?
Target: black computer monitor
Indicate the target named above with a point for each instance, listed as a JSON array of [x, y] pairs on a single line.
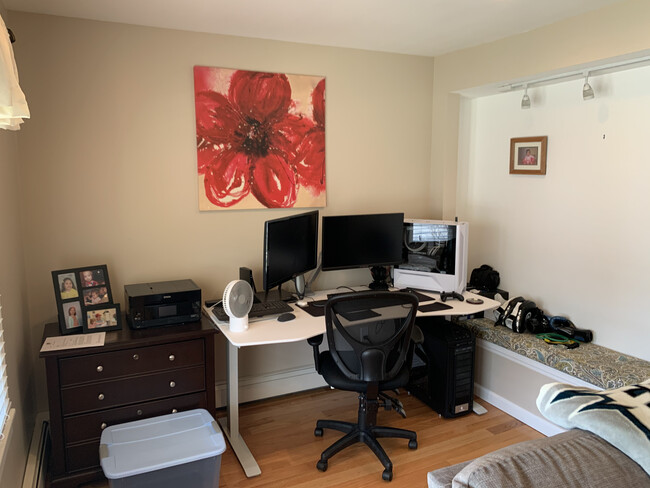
[[290, 250], [359, 241]]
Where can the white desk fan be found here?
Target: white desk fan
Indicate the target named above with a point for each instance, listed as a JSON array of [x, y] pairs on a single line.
[[237, 302]]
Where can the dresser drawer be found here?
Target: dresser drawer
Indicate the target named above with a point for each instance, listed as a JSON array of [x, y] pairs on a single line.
[[83, 428], [116, 364], [82, 456], [120, 392]]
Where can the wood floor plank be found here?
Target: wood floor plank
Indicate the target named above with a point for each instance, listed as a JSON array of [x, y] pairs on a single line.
[[280, 434]]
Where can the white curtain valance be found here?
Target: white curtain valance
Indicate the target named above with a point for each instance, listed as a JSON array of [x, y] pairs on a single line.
[[13, 106]]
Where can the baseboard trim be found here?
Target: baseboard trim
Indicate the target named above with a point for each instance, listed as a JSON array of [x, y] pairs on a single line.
[[539, 423], [270, 385], [38, 456]]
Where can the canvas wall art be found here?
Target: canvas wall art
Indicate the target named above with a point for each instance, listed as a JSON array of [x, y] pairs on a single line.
[[260, 139]]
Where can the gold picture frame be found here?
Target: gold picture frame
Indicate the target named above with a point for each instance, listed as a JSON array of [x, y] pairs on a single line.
[[528, 155]]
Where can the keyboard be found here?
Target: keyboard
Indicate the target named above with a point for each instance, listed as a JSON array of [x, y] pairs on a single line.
[[261, 309]]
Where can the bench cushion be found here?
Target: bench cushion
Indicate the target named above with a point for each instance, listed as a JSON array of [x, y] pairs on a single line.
[[597, 365]]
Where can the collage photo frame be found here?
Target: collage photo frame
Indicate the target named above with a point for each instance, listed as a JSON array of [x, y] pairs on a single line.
[[83, 294]]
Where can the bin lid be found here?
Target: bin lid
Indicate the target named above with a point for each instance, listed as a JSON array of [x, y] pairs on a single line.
[[157, 443]]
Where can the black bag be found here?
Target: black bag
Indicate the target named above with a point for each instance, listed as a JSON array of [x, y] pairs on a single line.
[[484, 278], [537, 322]]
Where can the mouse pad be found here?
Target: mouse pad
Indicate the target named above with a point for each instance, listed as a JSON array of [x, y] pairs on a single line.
[[315, 308], [434, 307], [421, 296], [360, 314]]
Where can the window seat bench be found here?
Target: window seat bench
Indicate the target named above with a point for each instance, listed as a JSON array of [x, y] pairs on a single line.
[[597, 365]]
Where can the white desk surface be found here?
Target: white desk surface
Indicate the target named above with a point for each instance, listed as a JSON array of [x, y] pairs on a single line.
[[304, 326]]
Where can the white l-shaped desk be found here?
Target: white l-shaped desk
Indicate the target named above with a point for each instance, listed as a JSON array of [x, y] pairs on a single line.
[[303, 327]]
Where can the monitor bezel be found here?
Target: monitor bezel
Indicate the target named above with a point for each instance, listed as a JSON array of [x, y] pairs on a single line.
[[313, 264], [330, 218]]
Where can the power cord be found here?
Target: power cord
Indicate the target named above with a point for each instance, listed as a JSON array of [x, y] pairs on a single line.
[[555, 338]]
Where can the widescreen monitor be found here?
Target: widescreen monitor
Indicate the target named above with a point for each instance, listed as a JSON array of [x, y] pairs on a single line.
[[362, 241], [290, 249]]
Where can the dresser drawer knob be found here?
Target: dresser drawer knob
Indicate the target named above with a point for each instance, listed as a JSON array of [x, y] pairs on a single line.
[[103, 426], [172, 357], [174, 410], [100, 368], [172, 384], [100, 396], [139, 412], [136, 357]]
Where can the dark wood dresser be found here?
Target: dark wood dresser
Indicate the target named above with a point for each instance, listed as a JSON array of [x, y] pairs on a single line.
[[136, 374]]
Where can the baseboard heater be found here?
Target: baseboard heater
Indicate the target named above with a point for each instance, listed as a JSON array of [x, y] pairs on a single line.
[[39, 452]]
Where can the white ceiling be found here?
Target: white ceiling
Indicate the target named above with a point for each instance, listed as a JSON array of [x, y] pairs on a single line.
[[420, 27]]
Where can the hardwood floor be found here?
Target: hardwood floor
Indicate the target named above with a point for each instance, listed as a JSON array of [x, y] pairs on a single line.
[[280, 434]]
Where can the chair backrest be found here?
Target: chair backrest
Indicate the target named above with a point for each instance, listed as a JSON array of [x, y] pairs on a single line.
[[368, 333]]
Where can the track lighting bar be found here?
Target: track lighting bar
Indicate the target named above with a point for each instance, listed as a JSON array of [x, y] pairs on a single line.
[[576, 75]]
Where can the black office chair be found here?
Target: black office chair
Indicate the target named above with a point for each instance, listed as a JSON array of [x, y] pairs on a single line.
[[369, 334]]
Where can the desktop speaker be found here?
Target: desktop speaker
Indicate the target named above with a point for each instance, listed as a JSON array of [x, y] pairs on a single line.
[[442, 374]]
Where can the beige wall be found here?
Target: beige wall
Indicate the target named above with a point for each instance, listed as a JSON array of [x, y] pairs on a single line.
[[611, 31], [109, 158], [20, 363]]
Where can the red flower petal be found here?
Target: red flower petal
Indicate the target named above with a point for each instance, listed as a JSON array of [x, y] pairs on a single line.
[[204, 78], [226, 178], [206, 152], [318, 101], [287, 133], [273, 183], [311, 165], [216, 119], [262, 96]]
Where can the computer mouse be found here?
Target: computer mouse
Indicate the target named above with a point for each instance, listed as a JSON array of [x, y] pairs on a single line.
[[286, 317], [302, 303]]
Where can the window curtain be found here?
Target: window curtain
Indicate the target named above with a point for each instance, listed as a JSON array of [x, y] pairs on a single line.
[[13, 106]]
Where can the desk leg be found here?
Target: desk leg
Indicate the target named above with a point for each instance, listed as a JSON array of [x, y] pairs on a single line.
[[230, 423]]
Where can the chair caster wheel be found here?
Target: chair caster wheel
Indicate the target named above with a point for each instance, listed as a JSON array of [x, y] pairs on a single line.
[[387, 475], [318, 432], [322, 466], [413, 444]]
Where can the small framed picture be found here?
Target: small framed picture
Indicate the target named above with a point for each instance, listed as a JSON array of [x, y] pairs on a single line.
[[75, 289], [528, 155], [93, 276], [95, 295], [71, 317], [100, 318]]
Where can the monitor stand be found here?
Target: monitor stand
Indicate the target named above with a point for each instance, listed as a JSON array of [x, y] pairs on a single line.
[[274, 295], [380, 277]]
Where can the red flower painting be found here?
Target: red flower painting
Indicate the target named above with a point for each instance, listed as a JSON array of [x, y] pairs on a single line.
[[260, 139]]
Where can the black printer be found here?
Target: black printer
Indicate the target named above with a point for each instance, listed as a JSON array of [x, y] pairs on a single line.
[[162, 303]]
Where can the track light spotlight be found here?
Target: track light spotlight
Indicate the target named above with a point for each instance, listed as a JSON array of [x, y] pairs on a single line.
[[525, 100], [587, 90]]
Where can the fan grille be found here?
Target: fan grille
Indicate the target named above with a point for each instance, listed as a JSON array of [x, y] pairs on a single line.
[[238, 299]]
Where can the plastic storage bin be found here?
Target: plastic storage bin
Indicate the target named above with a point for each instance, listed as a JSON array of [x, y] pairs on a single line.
[[177, 450]]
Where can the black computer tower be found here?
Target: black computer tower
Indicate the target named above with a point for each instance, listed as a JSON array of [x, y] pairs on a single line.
[[442, 374]]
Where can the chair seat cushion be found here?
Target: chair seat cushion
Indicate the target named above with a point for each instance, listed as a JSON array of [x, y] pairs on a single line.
[[332, 374]]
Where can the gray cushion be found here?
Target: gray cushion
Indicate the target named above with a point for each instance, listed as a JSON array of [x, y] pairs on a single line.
[[573, 459], [442, 478], [620, 416]]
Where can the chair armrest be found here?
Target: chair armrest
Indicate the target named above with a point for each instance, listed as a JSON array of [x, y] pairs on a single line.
[[315, 342]]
